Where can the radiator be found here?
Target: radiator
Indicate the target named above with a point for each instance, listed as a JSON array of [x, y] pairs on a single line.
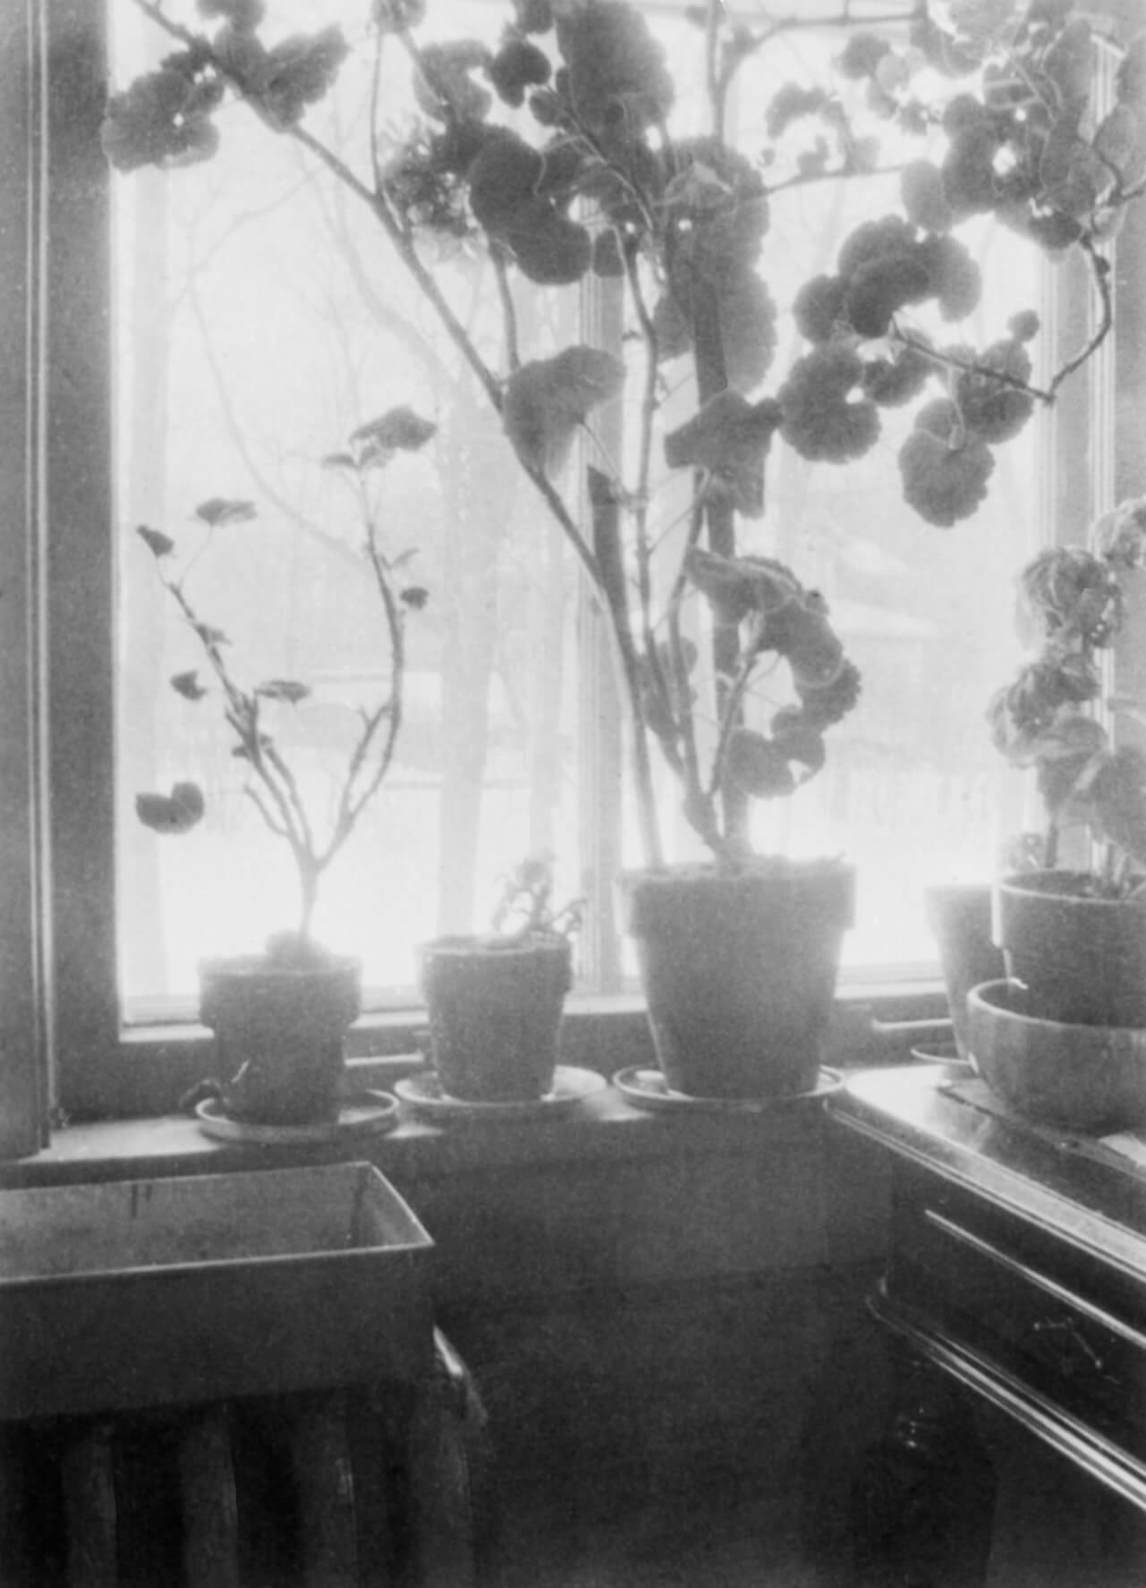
[[361, 1487]]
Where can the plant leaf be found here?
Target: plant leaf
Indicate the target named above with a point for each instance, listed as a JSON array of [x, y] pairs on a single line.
[[176, 812], [288, 690], [547, 399], [188, 685], [157, 543], [219, 510], [397, 430], [758, 766]]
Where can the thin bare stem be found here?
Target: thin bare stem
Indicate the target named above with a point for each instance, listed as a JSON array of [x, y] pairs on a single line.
[[508, 309], [1100, 273], [690, 760], [375, 199]]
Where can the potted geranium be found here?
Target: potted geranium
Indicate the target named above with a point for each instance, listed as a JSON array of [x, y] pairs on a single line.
[[1064, 1039], [280, 1017], [1076, 937], [551, 150]]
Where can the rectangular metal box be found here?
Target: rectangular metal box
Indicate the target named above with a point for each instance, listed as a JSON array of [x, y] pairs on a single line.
[[154, 1292]]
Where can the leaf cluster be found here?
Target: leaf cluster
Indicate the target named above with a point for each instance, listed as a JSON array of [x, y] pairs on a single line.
[[1073, 601]]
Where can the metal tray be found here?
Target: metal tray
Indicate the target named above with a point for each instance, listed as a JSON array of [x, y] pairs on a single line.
[[152, 1292]]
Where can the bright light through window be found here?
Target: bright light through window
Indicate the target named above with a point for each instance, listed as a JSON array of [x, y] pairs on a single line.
[[260, 319]]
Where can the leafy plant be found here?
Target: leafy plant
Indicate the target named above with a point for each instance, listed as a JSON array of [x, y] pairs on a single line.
[[253, 712], [551, 151], [1074, 598], [526, 910]]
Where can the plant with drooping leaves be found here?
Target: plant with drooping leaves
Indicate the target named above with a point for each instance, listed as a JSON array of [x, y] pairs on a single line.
[[551, 151], [1074, 599], [252, 712]]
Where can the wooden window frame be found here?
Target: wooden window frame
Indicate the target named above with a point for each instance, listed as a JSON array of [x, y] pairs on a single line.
[[61, 1038]]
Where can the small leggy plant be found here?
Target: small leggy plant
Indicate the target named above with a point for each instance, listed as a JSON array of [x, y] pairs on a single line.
[[253, 712], [526, 912], [1075, 598]]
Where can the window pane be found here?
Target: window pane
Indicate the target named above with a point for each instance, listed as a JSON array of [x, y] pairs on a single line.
[[261, 319]]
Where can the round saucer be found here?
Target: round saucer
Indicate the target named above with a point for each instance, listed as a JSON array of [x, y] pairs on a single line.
[[424, 1095], [645, 1088], [362, 1114]]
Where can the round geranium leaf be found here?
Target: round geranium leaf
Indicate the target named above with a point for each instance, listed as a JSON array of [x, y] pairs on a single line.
[[944, 474], [754, 764], [924, 197], [818, 307]]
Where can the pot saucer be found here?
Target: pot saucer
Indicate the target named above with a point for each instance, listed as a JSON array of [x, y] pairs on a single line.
[[645, 1088], [361, 1114], [423, 1093]]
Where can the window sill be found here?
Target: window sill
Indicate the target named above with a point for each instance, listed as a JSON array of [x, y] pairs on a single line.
[[606, 1130]]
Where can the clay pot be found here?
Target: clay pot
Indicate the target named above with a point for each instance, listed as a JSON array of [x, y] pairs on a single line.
[[1083, 958], [280, 1032], [739, 971], [1085, 1078], [959, 915], [495, 1014]]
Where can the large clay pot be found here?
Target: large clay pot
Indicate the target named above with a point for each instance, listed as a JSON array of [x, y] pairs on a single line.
[[1082, 958], [495, 1014], [280, 1031], [739, 971], [1085, 1078], [959, 915]]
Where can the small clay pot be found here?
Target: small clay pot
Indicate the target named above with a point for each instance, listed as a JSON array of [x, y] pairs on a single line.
[[280, 1031], [495, 1014]]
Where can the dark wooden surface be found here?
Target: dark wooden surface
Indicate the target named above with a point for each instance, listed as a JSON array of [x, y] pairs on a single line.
[[1017, 1274]]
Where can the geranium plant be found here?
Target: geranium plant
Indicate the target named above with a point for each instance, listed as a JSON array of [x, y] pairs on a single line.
[[1074, 600], [252, 711], [551, 150]]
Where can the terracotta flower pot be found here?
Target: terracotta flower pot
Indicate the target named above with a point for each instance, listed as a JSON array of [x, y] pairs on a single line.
[[1084, 1078], [280, 1031], [739, 971], [495, 1014], [1082, 958], [959, 915]]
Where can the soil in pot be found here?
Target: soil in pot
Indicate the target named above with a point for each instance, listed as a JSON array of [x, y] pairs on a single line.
[[960, 918], [1084, 1078], [739, 972], [1082, 957], [495, 1014], [280, 1030]]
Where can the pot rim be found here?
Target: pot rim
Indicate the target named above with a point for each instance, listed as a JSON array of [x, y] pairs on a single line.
[[1025, 885], [473, 945], [252, 966], [760, 868], [990, 995]]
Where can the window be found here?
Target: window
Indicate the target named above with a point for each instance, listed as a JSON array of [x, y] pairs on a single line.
[[218, 332]]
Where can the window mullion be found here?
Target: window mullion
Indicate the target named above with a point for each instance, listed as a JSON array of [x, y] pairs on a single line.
[[80, 556], [23, 1046]]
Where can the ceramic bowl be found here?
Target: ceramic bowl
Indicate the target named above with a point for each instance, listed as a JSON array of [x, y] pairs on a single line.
[[1089, 1079]]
